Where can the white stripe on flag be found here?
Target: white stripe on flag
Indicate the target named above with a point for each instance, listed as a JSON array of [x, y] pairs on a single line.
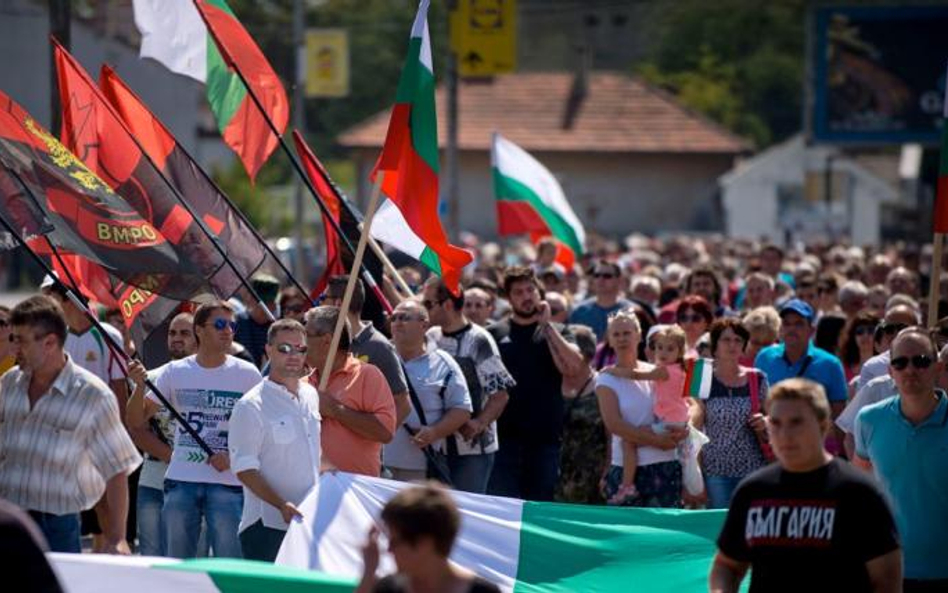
[[98, 573], [331, 535], [390, 227], [174, 34], [707, 371]]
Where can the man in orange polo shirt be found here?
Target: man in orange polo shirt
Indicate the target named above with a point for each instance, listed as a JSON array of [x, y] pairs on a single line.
[[357, 406]]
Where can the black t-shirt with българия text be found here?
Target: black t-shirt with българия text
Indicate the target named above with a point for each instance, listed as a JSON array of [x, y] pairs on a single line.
[[811, 531]]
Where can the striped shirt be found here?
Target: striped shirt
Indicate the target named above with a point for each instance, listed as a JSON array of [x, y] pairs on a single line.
[[56, 457]]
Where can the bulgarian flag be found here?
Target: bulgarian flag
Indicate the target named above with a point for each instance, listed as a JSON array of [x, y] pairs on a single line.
[[204, 40], [530, 200], [408, 218], [698, 374], [518, 545], [941, 199]]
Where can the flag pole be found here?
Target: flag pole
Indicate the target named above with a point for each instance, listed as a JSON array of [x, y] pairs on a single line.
[[938, 244], [388, 265], [366, 276], [350, 284], [78, 301], [197, 219]]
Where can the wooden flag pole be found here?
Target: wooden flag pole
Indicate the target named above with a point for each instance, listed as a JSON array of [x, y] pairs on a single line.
[[388, 265], [938, 243], [350, 285]]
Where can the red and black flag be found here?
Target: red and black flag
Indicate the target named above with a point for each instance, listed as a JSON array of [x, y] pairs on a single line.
[[20, 211], [93, 130], [87, 217], [231, 231]]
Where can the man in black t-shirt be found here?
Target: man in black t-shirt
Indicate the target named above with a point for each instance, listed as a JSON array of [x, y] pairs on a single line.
[[810, 522], [537, 356]]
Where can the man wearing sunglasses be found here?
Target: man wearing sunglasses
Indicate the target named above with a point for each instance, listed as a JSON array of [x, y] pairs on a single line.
[[903, 440], [204, 388], [274, 443], [896, 319], [606, 284]]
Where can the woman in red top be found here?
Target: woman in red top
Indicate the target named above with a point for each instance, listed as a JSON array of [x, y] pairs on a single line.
[[856, 344]]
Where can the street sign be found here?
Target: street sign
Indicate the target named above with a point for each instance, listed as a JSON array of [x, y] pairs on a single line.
[[327, 63], [484, 36]]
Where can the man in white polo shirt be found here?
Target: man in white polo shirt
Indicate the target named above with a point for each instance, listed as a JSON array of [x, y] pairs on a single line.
[[274, 443]]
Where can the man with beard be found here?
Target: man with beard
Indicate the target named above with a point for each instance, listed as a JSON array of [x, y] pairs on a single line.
[[204, 388], [537, 355], [154, 436], [274, 443]]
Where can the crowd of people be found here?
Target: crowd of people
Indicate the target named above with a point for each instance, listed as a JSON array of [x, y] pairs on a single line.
[[535, 380]]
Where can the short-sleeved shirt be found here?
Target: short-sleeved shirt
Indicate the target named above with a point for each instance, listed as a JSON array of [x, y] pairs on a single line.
[[809, 531], [206, 398], [875, 391], [361, 387], [476, 353], [90, 351], [439, 384], [816, 365], [534, 412], [275, 432], [57, 456], [636, 407], [596, 317], [671, 403], [877, 366], [371, 346], [911, 462]]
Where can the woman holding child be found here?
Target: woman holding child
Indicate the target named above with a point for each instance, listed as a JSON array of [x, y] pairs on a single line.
[[627, 407], [729, 417]]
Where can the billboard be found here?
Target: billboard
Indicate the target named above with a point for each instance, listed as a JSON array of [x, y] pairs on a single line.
[[879, 74]]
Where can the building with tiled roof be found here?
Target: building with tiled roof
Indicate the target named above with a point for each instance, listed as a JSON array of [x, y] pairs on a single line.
[[628, 155]]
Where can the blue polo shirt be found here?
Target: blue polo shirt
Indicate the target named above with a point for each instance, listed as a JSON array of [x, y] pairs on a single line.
[[911, 462], [823, 367]]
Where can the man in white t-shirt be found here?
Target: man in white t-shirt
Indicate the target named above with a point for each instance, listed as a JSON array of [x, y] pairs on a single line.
[[274, 443], [204, 389]]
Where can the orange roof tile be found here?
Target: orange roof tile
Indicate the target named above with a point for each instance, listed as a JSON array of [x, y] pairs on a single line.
[[619, 114]]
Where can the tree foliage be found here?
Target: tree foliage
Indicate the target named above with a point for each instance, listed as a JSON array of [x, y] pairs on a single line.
[[740, 63]]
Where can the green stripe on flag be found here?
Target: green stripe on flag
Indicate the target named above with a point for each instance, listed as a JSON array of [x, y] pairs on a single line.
[[225, 92], [567, 548], [248, 576], [430, 259], [508, 188], [222, 5], [416, 87]]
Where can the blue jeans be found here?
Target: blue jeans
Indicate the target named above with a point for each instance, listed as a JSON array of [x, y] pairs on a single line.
[[61, 531], [720, 489], [151, 536], [186, 503], [525, 470], [470, 473]]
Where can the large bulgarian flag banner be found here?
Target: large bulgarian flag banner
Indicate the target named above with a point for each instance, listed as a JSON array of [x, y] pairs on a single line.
[[530, 200], [408, 218], [941, 198], [178, 36], [519, 545]]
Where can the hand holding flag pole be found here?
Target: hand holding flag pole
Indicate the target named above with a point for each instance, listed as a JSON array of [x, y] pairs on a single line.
[[80, 304]]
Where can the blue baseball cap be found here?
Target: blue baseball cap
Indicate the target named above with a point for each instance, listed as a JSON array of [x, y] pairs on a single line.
[[798, 306]]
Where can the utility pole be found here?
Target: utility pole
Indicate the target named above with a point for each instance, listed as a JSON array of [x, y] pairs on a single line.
[[299, 121], [60, 16]]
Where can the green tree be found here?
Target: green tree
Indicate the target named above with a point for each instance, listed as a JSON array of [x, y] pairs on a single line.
[[740, 63]]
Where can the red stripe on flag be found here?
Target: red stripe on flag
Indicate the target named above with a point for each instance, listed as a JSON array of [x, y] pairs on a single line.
[[517, 218], [216, 225], [176, 224]]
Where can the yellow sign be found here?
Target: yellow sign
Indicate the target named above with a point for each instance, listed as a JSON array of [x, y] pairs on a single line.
[[327, 63], [484, 36]]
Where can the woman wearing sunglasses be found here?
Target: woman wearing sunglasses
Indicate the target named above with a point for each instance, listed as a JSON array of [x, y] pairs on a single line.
[[694, 316], [856, 343]]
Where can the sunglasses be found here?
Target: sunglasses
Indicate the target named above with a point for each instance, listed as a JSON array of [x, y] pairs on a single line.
[[405, 317], [865, 330], [919, 361], [557, 311], [285, 348], [429, 304], [890, 329], [604, 275], [690, 318], [220, 324]]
